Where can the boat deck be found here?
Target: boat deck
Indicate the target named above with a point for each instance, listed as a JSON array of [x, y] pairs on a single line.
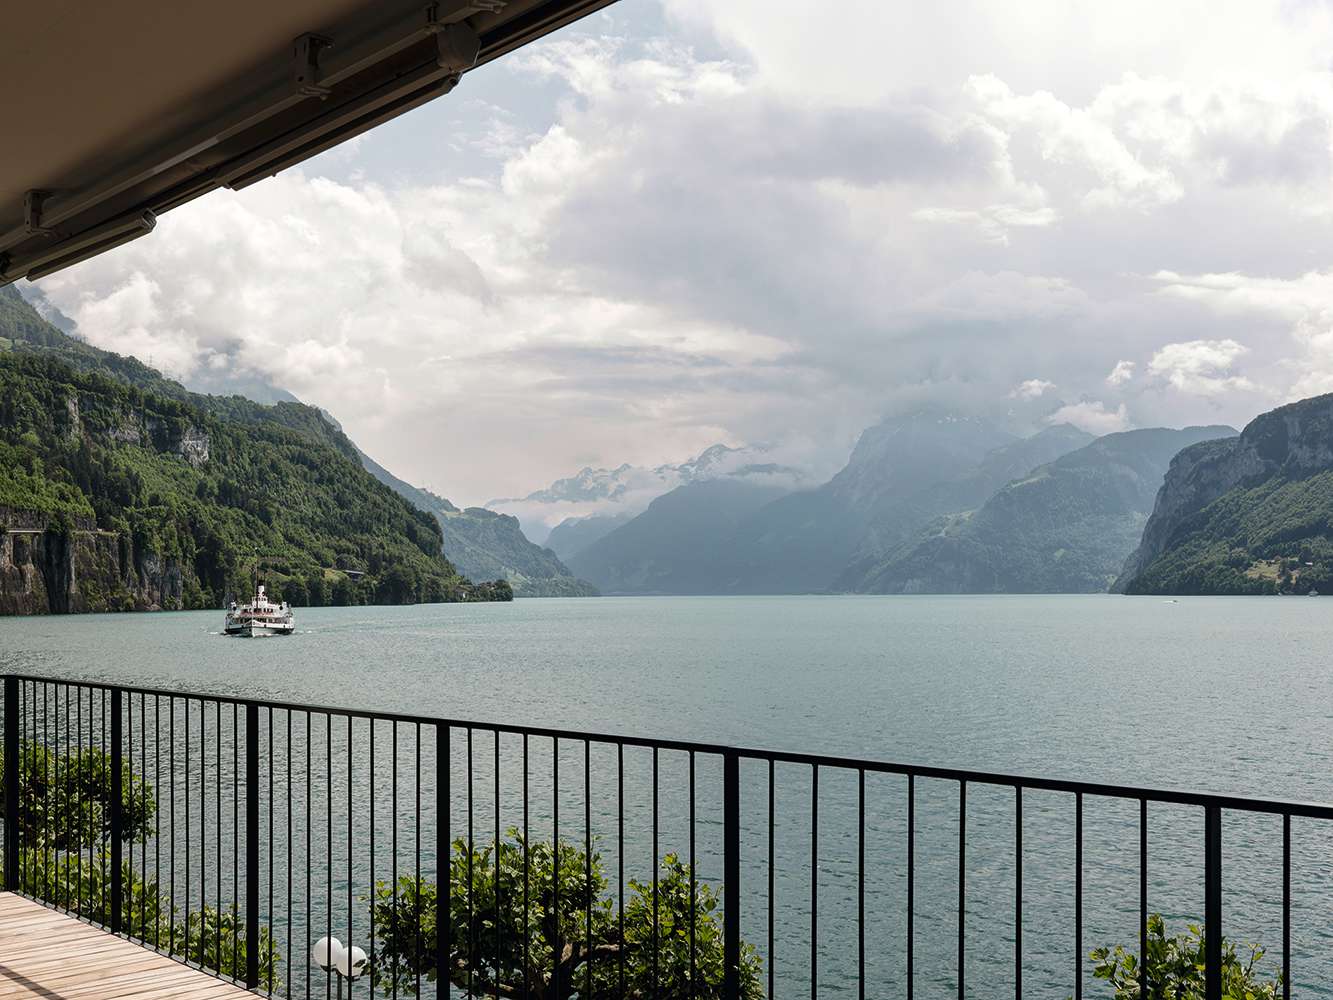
[[51, 956]]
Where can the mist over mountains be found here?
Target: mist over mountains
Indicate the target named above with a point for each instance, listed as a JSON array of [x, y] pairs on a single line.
[[603, 498], [931, 501]]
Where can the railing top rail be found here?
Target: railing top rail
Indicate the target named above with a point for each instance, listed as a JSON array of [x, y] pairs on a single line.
[[1168, 796]]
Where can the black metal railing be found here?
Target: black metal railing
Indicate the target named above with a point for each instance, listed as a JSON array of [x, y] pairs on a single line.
[[274, 824]]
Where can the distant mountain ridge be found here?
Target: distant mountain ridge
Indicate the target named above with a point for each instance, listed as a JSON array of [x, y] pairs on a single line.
[[484, 544], [1064, 527], [626, 490], [679, 545], [1249, 515], [903, 472]]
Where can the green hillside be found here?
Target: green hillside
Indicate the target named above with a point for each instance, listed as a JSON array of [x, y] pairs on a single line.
[[1253, 515], [121, 489]]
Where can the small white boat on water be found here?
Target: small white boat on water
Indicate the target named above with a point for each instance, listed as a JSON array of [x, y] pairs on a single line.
[[259, 617]]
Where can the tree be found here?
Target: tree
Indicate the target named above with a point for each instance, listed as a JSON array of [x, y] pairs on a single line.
[[1175, 968], [65, 799], [501, 947]]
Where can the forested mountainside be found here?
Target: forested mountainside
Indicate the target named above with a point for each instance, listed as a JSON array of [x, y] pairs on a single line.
[[121, 490], [1065, 527], [486, 545], [1249, 515]]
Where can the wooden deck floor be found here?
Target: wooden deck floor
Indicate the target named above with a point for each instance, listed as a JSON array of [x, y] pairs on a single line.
[[48, 955]]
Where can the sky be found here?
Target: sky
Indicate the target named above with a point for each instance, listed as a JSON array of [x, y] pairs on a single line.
[[684, 222]]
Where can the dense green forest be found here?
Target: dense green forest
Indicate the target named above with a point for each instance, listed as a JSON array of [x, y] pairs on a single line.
[[1274, 537], [1251, 515], [93, 442]]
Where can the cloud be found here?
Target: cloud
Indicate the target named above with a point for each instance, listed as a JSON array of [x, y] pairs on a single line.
[[1092, 416], [1031, 389], [1121, 373], [1201, 367]]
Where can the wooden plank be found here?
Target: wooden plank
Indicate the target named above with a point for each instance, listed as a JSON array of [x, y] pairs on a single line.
[[49, 955]]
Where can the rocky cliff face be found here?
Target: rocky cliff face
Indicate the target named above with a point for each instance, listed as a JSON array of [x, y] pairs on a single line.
[[1292, 441], [76, 568]]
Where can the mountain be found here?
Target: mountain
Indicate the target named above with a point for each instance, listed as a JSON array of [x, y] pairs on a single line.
[[1249, 515], [485, 545], [1065, 527], [119, 489], [680, 544], [627, 490], [962, 492], [574, 534], [802, 542]]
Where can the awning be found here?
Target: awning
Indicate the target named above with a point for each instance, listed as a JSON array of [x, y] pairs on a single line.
[[117, 112]]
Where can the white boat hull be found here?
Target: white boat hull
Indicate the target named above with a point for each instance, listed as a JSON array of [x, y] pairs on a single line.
[[255, 630]]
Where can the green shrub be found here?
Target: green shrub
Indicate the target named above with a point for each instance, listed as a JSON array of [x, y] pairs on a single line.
[[1175, 967], [490, 954]]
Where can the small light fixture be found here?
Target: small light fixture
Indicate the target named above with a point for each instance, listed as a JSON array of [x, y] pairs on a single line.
[[345, 963], [326, 952]]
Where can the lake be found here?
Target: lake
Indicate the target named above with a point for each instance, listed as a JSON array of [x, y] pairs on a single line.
[[1218, 694]]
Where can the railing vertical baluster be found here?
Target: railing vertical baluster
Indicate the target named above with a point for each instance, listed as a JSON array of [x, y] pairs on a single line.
[[252, 844], [814, 882], [911, 884], [1143, 897], [527, 851], [1018, 892], [442, 887], [472, 950], [62, 743], [310, 850], [416, 846], [288, 812], [693, 890], [861, 883], [393, 850], [772, 869], [328, 843], [1286, 906], [557, 944], [962, 889], [443, 860], [157, 813], [1078, 896], [351, 881], [235, 834], [143, 844], [620, 859], [499, 935], [656, 991], [217, 845], [731, 877], [11, 782], [79, 800], [117, 813], [1212, 902], [587, 862]]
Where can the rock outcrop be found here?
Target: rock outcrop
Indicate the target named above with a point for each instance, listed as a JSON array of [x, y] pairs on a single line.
[[72, 567], [1292, 442]]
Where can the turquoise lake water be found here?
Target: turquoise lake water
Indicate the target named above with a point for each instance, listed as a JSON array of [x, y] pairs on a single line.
[[1227, 695]]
